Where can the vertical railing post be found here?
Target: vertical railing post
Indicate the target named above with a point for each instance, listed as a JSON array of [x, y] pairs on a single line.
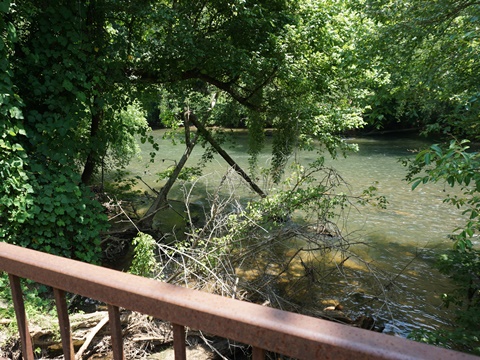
[[116, 332], [179, 342], [258, 353], [18, 304], [64, 323]]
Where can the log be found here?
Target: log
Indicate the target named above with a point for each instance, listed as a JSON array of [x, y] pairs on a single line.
[[47, 338], [90, 336]]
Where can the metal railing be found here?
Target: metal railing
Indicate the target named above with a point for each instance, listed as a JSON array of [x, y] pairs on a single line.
[[265, 329]]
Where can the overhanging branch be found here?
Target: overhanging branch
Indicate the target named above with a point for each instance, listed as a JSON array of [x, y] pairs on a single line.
[[229, 87]]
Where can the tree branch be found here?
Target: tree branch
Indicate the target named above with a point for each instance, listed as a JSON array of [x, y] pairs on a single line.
[[228, 87]]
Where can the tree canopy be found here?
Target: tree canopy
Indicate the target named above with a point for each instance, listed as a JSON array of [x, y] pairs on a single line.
[[81, 68], [428, 56]]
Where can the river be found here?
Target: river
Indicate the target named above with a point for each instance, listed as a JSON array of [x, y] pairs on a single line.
[[402, 241]]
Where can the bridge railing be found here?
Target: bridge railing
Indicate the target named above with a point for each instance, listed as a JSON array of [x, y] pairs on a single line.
[[265, 329]]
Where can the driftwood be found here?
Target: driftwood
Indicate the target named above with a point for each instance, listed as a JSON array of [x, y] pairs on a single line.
[[84, 328], [45, 335], [90, 336], [161, 199], [143, 337]]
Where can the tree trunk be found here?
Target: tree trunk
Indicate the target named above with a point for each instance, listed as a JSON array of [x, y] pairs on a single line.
[[90, 163], [161, 199], [95, 22]]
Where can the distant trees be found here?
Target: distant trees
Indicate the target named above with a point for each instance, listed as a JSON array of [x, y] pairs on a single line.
[[427, 55]]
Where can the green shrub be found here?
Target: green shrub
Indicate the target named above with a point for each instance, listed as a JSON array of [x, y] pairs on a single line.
[[144, 262]]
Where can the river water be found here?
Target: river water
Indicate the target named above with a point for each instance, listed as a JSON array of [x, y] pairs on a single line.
[[401, 241]]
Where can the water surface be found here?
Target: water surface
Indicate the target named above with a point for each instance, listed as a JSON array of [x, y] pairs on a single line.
[[401, 242]]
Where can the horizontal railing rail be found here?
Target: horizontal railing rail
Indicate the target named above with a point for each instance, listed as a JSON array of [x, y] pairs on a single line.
[[265, 329]]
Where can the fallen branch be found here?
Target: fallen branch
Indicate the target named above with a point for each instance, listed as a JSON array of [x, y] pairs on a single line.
[[90, 337]]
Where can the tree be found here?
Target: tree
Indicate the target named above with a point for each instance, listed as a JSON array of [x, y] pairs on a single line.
[[16, 188], [457, 165], [60, 78], [428, 55], [79, 67], [304, 89]]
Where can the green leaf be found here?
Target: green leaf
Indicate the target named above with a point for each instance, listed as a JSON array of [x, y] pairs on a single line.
[[5, 6], [12, 32], [81, 96], [437, 149], [416, 183], [15, 113], [427, 158], [67, 85]]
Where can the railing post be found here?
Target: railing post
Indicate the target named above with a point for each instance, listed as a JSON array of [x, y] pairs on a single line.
[[258, 353], [64, 323], [116, 332], [179, 342], [18, 304]]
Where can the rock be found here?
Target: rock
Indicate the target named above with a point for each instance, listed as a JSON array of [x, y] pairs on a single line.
[[369, 323]]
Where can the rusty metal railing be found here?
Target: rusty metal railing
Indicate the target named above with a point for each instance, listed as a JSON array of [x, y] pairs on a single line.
[[265, 329]]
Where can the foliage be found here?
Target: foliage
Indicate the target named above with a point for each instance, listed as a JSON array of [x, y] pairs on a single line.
[[429, 53], [15, 187], [311, 194], [121, 131], [304, 88], [79, 68], [74, 113], [66, 219], [315, 97], [41, 199], [144, 263], [187, 173], [37, 300], [458, 166]]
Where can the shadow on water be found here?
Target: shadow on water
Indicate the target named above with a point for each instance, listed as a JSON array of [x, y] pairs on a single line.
[[392, 283], [407, 289]]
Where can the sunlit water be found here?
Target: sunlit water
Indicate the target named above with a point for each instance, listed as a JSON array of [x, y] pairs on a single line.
[[402, 241]]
